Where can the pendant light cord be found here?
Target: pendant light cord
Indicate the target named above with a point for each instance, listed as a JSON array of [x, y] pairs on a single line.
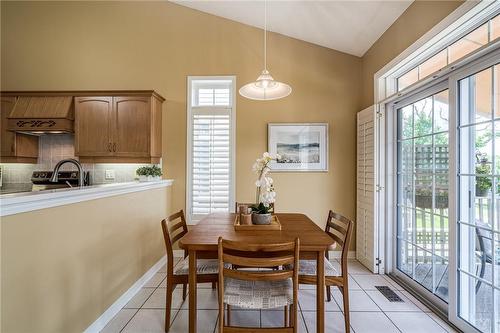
[[265, 35]]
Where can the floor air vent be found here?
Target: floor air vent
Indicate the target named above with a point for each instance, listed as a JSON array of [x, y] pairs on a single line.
[[389, 294]]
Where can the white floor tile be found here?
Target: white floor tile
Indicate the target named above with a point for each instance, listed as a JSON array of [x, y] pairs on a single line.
[[307, 301], [245, 318], [206, 322], [355, 267], [358, 301], [353, 285], [418, 322], [368, 282], [372, 322], [276, 319], [441, 322], [420, 305], [158, 299], [206, 300], [119, 321], [138, 300], [393, 283], [334, 322], [385, 305], [155, 280], [146, 321]]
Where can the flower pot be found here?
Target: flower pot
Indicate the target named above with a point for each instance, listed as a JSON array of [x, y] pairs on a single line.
[[261, 219], [482, 192], [148, 178]]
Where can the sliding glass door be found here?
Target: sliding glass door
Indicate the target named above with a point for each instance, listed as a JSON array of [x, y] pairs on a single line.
[[422, 190], [478, 234]]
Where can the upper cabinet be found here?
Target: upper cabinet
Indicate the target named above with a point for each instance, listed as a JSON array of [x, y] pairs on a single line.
[[15, 147], [118, 128]]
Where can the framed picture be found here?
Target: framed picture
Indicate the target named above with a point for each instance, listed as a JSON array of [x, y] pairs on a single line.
[[302, 146]]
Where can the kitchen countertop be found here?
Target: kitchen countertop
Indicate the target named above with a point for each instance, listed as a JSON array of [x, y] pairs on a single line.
[[20, 202]]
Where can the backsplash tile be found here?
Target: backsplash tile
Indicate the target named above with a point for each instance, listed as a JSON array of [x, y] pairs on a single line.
[[52, 149]]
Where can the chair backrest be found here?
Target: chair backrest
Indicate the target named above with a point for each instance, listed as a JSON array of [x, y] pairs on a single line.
[[339, 228], [238, 254], [271, 205], [174, 227], [485, 239]]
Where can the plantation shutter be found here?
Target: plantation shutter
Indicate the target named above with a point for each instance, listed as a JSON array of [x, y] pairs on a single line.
[[210, 161], [210, 146], [366, 228]]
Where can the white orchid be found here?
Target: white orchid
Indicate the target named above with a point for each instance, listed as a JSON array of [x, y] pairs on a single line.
[[265, 189]]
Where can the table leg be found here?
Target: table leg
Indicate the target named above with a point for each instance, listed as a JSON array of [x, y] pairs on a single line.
[[192, 291], [320, 292]]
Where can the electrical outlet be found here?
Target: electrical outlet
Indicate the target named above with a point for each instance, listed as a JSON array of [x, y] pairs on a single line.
[[109, 174]]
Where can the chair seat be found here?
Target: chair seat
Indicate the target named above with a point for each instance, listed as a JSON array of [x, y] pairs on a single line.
[[258, 294], [204, 266], [308, 267]]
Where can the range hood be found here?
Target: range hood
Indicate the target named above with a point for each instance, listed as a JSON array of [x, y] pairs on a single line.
[[42, 115]]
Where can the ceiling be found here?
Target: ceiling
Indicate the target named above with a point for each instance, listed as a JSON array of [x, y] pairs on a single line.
[[347, 26]]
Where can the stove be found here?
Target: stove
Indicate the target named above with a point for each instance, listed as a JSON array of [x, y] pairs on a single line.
[[41, 180]]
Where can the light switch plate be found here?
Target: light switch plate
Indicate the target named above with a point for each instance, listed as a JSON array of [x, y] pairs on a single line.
[[109, 174]]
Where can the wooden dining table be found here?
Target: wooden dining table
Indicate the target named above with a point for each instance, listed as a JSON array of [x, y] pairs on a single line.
[[201, 243]]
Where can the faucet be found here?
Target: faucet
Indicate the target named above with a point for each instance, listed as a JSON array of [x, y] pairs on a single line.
[[55, 176]]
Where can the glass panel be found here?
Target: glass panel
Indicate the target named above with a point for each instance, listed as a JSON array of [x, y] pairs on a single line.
[[433, 64], [408, 79], [441, 236], [475, 302], [441, 270], [423, 117], [468, 43], [423, 269], [475, 248], [406, 122], [424, 230], [407, 227], [477, 141], [406, 255], [495, 261], [496, 91], [406, 162], [495, 28], [441, 112]]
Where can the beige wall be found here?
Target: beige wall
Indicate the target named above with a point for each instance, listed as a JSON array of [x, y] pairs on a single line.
[[419, 18], [63, 267], [132, 45]]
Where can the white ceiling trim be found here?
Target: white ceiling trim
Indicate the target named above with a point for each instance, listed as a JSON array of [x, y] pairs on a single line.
[[347, 26]]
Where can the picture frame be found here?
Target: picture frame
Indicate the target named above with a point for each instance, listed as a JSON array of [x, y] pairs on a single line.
[[303, 147]]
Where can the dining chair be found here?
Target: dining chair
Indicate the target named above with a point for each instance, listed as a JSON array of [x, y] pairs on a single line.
[[258, 286], [271, 205], [174, 227], [339, 228]]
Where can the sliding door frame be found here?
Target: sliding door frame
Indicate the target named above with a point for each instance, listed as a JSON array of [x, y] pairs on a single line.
[[389, 108]]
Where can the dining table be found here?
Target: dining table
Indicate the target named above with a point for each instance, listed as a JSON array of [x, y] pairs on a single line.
[[201, 243]]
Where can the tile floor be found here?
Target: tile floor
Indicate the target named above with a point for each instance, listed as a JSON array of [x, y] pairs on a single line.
[[370, 311]]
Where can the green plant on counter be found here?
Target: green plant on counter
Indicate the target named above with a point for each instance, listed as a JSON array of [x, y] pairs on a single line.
[[261, 209], [151, 170]]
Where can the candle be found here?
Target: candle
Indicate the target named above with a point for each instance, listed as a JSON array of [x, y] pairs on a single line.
[[245, 219]]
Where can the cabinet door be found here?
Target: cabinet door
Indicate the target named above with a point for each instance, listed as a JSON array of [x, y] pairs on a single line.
[[93, 120], [8, 138], [132, 126]]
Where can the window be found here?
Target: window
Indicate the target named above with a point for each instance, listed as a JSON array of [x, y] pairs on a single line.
[[484, 34], [210, 167]]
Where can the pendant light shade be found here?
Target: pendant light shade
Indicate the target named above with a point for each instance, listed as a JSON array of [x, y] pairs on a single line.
[[265, 87]]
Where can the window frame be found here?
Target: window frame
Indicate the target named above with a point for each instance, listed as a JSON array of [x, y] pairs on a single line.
[[189, 139]]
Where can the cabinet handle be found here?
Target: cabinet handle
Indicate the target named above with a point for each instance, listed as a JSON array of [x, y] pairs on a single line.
[[109, 147], [114, 146]]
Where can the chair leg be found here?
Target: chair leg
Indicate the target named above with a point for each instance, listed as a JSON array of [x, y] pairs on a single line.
[[168, 306], [290, 316], [328, 294], [285, 321], [184, 291], [228, 315], [345, 296], [214, 285]]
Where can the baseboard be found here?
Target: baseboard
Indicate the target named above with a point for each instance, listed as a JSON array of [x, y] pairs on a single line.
[[336, 254], [106, 317]]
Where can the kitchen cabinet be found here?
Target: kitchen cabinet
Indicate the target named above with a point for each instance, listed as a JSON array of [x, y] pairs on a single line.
[[15, 147], [123, 128]]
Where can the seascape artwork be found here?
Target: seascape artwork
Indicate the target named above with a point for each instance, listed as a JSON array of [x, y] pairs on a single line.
[[301, 147]]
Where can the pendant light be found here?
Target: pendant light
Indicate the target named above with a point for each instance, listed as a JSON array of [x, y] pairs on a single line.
[[265, 87]]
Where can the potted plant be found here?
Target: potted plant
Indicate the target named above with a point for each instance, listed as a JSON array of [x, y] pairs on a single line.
[[265, 194], [149, 173], [483, 183]]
